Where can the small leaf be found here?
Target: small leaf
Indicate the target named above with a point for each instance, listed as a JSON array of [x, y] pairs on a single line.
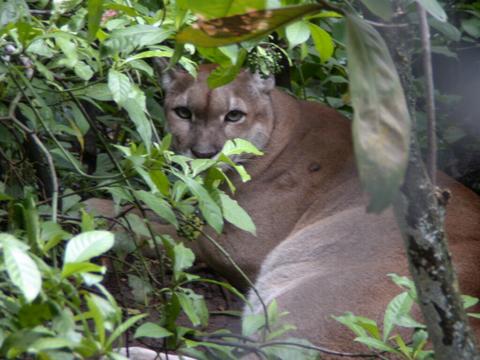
[[297, 33], [95, 10], [87, 245], [119, 330], [376, 344], [323, 42], [238, 147], [23, 271], [381, 125], [152, 330], [381, 8], [133, 37], [469, 301], [236, 215], [80, 268], [434, 9], [120, 86], [158, 205], [398, 307], [183, 256]]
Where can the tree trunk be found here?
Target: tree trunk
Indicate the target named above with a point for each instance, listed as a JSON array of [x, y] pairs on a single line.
[[420, 214]]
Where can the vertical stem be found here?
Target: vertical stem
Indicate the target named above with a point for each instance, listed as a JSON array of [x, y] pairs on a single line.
[[429, 97]]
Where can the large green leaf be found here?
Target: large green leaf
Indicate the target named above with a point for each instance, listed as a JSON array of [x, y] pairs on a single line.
[[95, 10], [23, 271], [381, 125], [398, 307], [137, 36], [132, 99], [208, 207], [381, 8], [87, 245], [152, 330], [158, 205], [434, 9], [297, 33], [219, 8], [323, 42], [235, 214], [237, 28]]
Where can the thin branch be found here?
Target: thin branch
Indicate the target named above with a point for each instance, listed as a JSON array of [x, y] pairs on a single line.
[[237, 268], [429, 97], [42, 148]]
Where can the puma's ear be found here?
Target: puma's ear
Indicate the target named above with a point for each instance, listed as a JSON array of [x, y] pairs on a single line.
[[166, 74], [264, 84]]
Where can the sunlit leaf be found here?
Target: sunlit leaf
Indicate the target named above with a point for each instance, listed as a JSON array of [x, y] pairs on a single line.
[[158, 205], [235, 214], [381, 126], [87, 245], [133, 37], [23, 271], [297, 33], [237, 28], [94, 16], [323, 42]]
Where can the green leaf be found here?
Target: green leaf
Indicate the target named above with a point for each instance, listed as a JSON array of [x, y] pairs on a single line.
[[95, 10], [471, 27], [183, 256], [398, 307], [87, 245], [152, 330], [80, 268], [323, 42], [252, 323], [376, 344], [23, 271], [381, 124], [297, 33], [83, 71], [120, 86], [133, 37], [236, 215], [469, 301], [208, 207], [447, 29], [381, 8], [138, 117], [123, 327], [158, 205], [238, 147], [434, 9], [219, 8], [194, 306], [237, 28]]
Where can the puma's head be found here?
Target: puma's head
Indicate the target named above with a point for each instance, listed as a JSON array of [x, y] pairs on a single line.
[[201, 119]]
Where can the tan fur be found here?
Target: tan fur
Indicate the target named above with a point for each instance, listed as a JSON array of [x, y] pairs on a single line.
[[320, 253], [316, 251]]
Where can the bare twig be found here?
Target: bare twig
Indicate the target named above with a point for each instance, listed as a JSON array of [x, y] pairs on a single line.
[[429, 97]]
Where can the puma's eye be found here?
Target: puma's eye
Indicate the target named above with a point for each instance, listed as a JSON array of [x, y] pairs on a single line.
[[234, 116], [183, 112]]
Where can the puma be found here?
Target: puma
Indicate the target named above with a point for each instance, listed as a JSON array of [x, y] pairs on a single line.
[[317, 251]]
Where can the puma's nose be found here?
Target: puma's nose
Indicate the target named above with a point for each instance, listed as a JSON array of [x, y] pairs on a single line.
[[204, 153]]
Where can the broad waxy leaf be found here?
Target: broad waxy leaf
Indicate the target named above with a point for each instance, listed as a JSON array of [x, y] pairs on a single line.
[[434, 9], [235, 214], [23, 271], [323, 42], [381, 8], [95, 10], [137, 36], [297, 33], [87, 245], [381, 125], [152, 330], [158, 205], [237, 28]]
